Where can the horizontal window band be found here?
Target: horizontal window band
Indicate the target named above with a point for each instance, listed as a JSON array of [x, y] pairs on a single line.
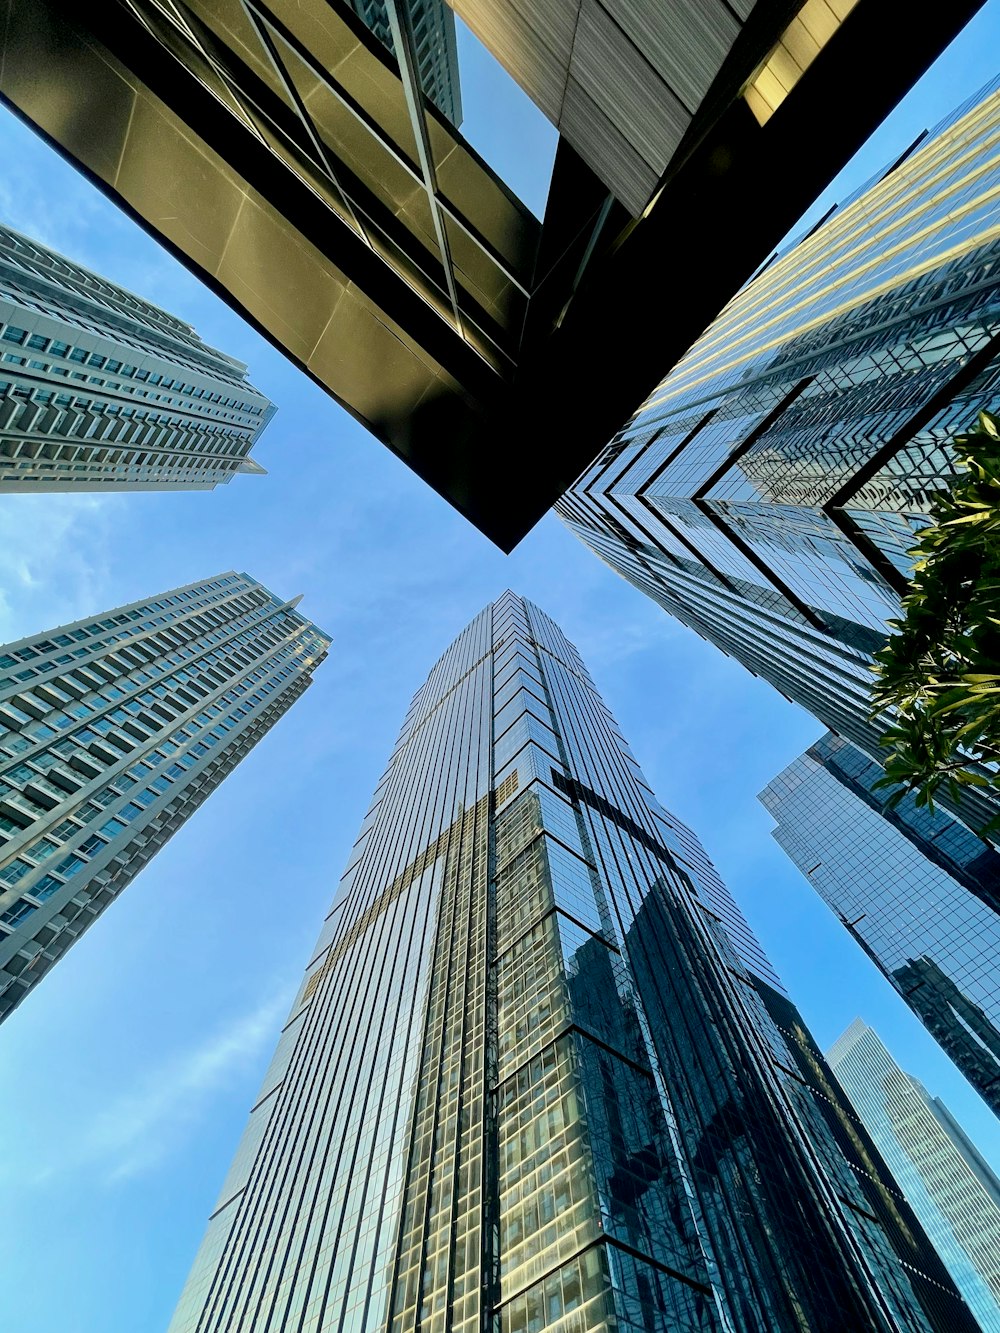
[[618, 1245], [573, 1029], [556, 910]]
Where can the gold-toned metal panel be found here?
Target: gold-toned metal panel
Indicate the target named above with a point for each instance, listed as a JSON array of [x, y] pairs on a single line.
[[169, 177], [281, 279], [82, 100], [361, 357]]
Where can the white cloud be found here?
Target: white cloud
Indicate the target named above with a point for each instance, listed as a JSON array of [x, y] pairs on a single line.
[[54, 559], [143, 1125]]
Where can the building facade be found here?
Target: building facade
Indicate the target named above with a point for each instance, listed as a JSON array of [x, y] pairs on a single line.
[[952, 1189], [432, 30], [768, 491], [286, 153], [917, 890], [100, 390], [113, 730], [529, 1080]]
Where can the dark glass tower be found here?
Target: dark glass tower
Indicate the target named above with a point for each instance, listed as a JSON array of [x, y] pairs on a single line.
[[530, 1080], [916, 889], [767, 492]]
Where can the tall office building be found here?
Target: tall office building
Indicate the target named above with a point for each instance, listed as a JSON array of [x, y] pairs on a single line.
[[767, 492], [952, 1189], [528, 1081], [113, 730], [285, 151], [435, 45], [100, 390], [917, 890]]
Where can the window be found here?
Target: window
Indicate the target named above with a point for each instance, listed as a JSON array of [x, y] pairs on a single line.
[[45, 888], [16, 914], [15, 871], [68, 866], [13, 335], [38, 342]]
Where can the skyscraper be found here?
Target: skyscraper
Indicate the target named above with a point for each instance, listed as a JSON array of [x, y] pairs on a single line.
[[528, 1081], [100, 390], [953, 1191], [767, 492], [917, 890], [113, 730], [432, 29], [291, 158]]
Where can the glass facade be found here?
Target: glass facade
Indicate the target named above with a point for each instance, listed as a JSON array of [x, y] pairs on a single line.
[[953, 1191], [530, 1080], [767, 492], [917, 890], [432, 25], [113, 730], [100, 390]]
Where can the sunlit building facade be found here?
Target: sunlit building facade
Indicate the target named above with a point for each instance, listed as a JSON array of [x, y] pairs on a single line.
[[529, 1080], [916, 889], [952, 1189], [767, 492], [113, 730], [100, 390]]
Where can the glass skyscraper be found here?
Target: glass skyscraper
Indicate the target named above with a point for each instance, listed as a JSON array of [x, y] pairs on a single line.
[[530, 1080], [953, 1191], [917, 890], [100, 390], [767, 492], [113, 730]]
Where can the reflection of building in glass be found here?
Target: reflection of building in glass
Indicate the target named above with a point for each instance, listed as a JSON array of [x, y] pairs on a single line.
[[917, 890], [767, 491], [529, 1081], [952, 1190], [432, 25], [113, 730], [99, 390], [286, 153]]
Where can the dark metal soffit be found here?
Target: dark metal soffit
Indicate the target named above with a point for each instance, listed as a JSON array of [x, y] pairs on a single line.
[[337, 210]]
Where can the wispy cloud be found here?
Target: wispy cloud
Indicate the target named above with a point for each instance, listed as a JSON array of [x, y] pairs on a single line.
[[141, 1127], [54, 559], [137, 1131]]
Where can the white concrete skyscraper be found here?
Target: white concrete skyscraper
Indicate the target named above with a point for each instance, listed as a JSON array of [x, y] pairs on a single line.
[[100, 390], [113, 730]]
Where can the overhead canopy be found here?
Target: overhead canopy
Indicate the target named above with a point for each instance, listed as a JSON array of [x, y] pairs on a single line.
[[280, 150]]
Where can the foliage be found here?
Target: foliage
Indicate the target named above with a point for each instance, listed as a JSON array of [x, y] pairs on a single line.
[[939, 674]]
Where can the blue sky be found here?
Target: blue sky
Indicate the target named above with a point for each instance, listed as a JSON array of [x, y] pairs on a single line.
[[128, 1074]]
